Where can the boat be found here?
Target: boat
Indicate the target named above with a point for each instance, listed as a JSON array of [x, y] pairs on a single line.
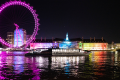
[[39, 52], [70, 52], [56, 52]]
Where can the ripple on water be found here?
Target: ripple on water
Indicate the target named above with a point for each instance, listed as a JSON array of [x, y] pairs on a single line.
[[100, 65]]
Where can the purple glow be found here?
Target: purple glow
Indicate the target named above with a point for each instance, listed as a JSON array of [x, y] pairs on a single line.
[[7, 4]]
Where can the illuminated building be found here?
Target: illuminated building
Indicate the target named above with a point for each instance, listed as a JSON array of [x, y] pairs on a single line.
[[114, 46], [94, 44], [74, 43], [68, 43], [117, 45], [19, 37], [39, 43], [10, 37]]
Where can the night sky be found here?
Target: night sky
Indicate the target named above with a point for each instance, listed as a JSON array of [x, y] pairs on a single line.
[[80, 18]]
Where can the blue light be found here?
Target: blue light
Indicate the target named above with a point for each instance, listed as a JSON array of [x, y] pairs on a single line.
[[67, 68], [67, 42]]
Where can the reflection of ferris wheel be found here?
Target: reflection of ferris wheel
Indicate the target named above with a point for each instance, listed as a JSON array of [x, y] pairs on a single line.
[[11, 3]]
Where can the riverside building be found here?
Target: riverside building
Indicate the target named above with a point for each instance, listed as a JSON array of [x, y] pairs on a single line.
[[74, 43], [10, 37]]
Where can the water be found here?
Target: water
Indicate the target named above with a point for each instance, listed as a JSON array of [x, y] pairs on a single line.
[[99, 65]]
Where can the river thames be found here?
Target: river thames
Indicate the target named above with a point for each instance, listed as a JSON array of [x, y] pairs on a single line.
[[99, 65]]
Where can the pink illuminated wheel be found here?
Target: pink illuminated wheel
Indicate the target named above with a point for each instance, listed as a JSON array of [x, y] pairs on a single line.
[[35, 16]]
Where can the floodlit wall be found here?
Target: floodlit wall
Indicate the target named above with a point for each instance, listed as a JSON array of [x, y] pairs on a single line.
[[55, 45], [68, 44], [95, 46], [73, 45], [40, 45]]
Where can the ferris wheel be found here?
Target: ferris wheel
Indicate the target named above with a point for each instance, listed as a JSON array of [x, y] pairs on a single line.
[[35, 19]]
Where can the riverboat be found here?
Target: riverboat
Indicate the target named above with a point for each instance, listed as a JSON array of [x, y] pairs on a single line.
[[57, 52], [70, 52], [37, 52]]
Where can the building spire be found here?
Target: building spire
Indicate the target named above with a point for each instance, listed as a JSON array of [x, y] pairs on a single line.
[[67, 37]]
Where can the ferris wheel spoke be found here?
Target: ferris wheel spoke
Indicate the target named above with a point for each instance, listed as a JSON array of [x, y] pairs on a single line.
[[6, 18], [23, 16]]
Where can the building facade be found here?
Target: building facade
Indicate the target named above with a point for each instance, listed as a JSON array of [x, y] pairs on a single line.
[[94, 44], [74, 43], [70, 44], [19, 37]]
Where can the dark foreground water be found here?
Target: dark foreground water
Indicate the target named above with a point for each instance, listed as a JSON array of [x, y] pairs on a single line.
[[100, 65]]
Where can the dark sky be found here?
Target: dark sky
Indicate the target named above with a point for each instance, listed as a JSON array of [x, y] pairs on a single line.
[[80, 18]]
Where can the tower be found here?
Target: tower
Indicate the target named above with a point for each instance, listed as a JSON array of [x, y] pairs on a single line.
[[67, 37]]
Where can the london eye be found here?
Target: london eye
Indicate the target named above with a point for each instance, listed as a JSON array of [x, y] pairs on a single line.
[[14, 17]]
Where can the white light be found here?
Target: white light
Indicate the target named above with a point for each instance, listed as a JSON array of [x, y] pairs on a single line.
[[112, 48], [1, 48]]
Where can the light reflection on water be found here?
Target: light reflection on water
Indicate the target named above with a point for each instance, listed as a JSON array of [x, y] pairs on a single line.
[[98, 65]]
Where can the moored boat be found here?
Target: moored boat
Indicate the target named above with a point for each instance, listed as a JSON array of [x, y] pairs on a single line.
[[57, 52], [39, 52], [70, 52]]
